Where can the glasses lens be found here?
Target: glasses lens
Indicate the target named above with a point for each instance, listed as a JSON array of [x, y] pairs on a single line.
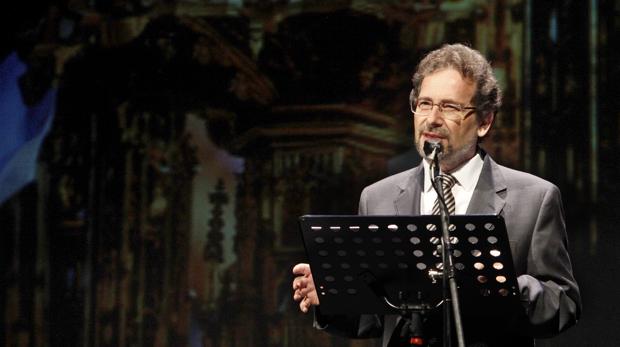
[[451, 111], [422, 108]]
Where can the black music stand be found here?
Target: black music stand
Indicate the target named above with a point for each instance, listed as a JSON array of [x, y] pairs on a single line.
[[392, 264]]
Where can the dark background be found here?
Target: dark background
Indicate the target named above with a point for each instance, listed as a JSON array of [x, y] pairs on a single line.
[[190, 135]]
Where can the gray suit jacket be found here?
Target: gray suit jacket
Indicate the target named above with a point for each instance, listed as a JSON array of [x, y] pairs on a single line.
[[534, 216]]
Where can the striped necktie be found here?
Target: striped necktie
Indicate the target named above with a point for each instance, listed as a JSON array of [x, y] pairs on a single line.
[[447, 182]]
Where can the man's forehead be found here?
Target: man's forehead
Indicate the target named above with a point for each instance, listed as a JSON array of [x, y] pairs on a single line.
[[447, 83]]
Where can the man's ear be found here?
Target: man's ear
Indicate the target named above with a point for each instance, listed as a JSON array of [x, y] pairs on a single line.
[[485, 125]]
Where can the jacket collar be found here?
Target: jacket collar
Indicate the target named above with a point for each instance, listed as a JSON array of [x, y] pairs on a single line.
[[488, 197], [408, 201]]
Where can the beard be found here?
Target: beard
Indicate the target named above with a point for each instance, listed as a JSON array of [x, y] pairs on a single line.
[[451, 157]]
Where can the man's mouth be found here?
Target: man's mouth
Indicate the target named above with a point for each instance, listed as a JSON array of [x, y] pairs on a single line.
[[433, 136]]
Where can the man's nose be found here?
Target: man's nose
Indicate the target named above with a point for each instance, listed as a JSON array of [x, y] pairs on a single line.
[[435, 117]]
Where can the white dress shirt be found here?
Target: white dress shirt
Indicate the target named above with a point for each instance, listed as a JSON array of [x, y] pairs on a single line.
[[466, 175]]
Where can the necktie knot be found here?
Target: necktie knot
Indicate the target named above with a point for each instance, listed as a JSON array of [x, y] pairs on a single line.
[[447, 181]]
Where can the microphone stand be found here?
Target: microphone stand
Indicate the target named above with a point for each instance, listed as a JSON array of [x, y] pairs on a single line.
[[450, 293]]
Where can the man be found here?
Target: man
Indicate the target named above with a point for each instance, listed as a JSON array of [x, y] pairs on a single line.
[[454, 100]]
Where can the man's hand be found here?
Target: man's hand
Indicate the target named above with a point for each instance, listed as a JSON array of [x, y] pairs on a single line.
[[303, 287]]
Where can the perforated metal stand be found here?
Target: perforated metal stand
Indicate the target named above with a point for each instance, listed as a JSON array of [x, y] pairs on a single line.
[[382, 264]]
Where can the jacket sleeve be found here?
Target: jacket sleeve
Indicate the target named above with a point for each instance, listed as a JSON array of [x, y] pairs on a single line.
[[351, 326], [548, 289]]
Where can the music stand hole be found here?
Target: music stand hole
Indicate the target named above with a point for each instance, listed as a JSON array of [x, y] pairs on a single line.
[[361, 253], [489, 226], [495, 252], [418, 253], [354, 228], [472, 239], [500, 279], [392, 227], [459, 266], [338, 240], [482, 279], [412, 227], [420, 266], [431, 227], [476, 253], [323, 253], [399, 252], [341, 253], [492, 240], [330, 279], [316, 228], [414, 240], [498, 266], [380, 252], [478, 266], [373, 227], [470, 227], [334, 228], [319, 240]]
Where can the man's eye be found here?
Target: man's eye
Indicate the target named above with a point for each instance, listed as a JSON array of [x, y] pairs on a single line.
[[425, 104], [450, 108]]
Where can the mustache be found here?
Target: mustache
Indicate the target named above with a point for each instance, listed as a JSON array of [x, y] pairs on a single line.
[[435, 131]]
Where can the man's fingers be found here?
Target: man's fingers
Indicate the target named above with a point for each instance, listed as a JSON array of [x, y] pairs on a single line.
[[301, 269], [305, 291], [304, 305], [301, 282], [303, 287], [299, 294], [312, 299]]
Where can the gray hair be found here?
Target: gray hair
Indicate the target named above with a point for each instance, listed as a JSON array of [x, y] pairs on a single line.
[[472, 65]]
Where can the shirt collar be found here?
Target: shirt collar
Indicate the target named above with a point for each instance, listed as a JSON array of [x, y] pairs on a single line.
[[466, 175]]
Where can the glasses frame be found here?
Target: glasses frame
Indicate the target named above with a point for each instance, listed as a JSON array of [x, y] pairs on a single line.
[[464, 111]]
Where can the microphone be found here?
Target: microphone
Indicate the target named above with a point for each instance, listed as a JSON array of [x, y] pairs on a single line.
[[432, 149]]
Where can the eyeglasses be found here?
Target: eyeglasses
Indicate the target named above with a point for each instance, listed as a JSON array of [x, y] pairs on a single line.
[[450, 110]]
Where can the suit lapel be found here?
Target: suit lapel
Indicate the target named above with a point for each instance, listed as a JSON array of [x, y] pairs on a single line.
[[408, 201], [488, 197]]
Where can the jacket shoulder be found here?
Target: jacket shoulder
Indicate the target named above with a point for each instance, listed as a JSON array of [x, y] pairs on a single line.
[[516, 179]]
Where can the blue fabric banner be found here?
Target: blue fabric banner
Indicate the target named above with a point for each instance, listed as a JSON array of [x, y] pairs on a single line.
[[22, 128]]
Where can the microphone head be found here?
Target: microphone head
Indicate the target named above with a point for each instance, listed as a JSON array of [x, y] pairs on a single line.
[[430, 146]]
